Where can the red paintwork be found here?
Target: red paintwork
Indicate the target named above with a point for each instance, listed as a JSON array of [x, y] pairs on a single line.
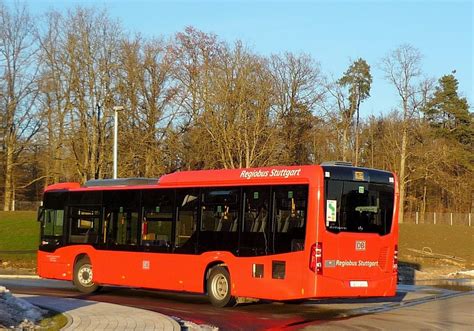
[[63, 186], [181, 272]]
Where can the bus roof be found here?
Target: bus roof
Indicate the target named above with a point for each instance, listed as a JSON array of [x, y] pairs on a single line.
[[248, 176]]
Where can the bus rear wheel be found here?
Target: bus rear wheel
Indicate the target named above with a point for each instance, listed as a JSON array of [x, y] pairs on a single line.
[[218, 288], [83, 276]]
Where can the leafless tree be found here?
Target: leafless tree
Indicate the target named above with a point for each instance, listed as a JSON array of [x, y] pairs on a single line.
[[402, 68], [18, 90]]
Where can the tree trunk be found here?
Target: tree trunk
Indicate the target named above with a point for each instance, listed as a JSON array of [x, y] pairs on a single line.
[[344, 143], [423, 206], [8, 191], [402, 172]]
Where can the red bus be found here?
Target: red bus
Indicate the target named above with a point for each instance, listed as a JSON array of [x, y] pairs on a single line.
[[278, 233]]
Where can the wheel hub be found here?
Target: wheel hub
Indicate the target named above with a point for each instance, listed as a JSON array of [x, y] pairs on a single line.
[[84, 275], [220, 287]]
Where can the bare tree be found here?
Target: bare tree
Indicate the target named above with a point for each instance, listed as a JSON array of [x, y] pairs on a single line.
[[91, 49], [402, 68], [54, 99], [148, 91], [18, 92], [297, 88], [237, 115]]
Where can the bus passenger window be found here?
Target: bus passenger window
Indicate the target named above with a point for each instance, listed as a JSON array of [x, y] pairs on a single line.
[[84, 222], [290, 207], [256, 210], [186, 221], [255, 239], [158, 216], [156, 232], [219, 220], [219, 211]]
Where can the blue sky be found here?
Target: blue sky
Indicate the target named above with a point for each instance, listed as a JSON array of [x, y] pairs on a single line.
[[332, 32]]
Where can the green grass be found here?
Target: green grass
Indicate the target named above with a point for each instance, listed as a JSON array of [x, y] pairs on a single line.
[[53, 321], [449, 240], [19, 231]]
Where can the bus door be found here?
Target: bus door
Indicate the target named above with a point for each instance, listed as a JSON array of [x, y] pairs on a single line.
[[120, 221]]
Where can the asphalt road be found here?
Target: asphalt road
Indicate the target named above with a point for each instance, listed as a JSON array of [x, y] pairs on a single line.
[[421, 307], [454, 313]]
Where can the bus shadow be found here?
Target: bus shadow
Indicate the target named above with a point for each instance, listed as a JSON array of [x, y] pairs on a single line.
[[399, 296]]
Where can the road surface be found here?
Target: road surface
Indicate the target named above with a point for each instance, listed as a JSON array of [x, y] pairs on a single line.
[[420, 307]]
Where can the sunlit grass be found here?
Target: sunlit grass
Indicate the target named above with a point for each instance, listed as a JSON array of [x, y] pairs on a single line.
[[53, 321]]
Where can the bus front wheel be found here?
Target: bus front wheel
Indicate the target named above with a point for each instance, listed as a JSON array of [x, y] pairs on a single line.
[[83, 276], [218, 288]]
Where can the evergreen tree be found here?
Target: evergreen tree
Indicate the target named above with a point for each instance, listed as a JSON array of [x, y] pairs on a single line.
[[449, 113], [358, 80]]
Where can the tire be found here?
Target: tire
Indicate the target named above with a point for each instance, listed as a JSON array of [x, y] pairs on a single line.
[[83, 276], [219, 288]]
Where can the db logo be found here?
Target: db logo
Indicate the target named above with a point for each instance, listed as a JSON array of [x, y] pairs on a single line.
[[360, 245]]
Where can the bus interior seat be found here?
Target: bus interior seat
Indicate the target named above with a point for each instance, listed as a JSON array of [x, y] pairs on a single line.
[[286, 224], [233, 228], [263, 222], [162, 239], [256, 223], [149, 236]]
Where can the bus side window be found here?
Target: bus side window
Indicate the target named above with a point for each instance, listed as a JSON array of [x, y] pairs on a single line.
[[120, 225], [186, 221], [156, 230], [255, 237], [219, 210], [84, 224], [290, 217], [219, 219]]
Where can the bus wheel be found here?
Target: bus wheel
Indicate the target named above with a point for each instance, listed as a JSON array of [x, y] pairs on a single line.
[[83, 276], [218, 288]]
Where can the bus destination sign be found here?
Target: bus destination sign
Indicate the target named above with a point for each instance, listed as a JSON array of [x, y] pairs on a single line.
[[284, 173]]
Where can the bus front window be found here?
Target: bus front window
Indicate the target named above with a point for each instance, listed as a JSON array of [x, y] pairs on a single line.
[[353, 206]]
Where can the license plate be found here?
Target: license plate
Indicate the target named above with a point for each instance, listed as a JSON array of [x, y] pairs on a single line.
[[359, 283]]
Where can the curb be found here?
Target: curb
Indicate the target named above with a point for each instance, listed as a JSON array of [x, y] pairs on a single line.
[[19, 276], [76, 321]]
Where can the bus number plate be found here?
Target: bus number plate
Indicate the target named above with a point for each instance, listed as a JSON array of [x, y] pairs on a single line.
[[359, 283]]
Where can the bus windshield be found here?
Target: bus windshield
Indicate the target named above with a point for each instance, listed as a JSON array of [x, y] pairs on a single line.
[[353, 206]]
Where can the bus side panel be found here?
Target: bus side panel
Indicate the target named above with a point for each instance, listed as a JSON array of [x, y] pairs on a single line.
[[312, 235], [298, 281], [177, 272], [274, 284], [57, 264]]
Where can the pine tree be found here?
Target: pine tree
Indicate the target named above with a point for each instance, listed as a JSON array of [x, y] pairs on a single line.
[[358, 79], [449, 113]]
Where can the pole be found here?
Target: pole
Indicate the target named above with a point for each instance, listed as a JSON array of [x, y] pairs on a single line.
[[116, 110], [115, 142]]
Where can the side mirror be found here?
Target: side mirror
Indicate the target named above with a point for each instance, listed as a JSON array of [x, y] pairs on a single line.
[[40, 214]]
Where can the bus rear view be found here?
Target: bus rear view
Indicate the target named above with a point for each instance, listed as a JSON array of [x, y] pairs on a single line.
[[356, 251]]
